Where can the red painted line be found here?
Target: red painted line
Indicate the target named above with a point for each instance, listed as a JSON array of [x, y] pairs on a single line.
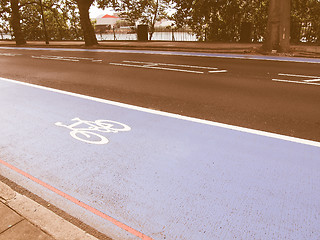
[[79, 203]]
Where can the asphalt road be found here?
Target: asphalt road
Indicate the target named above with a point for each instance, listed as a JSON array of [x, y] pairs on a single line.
[[135, 173], [244, 96], [132, 172]]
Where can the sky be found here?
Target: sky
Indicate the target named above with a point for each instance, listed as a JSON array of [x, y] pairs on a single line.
[[95, 12]]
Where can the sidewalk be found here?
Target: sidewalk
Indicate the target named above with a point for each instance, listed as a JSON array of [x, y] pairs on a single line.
[[24, 219], [237, 48]]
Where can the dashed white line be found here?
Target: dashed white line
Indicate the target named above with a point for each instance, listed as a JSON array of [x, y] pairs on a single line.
[[299, 82], [296, 75], [55, 58], [70, 59], [172, 65], [10, 54], [313, 80], [217, 71], [153, 67]]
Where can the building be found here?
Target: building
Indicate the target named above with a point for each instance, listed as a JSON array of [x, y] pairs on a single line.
[[105, 22]]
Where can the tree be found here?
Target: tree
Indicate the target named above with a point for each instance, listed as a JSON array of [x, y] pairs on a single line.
[[214, 20], [154, 10], [144, 11], [87, 28], [305, 24], [4, 17], [278, 26], [15, 22], [62, 20]]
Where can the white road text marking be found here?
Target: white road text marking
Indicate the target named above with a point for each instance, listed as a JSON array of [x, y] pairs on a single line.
[[172, 115], [152, 67], [169, 67], [300, 81], [85, 131]]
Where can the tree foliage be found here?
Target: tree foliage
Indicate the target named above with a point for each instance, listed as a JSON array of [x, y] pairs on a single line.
[[61, 16], [305, 21], [143, 11], [216, 20], [210, 20], [4, 18]]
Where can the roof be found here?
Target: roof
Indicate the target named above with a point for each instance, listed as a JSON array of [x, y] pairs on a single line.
[[109, 16]]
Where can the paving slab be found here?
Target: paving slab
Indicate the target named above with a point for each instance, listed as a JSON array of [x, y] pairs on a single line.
[[24, 230], [15, 208], [8, 217]]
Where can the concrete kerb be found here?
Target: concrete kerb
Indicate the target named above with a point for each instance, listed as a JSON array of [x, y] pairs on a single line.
[[54, 225], [250, 48]]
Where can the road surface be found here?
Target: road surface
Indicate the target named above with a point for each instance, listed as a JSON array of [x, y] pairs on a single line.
[[247, 94], [133, 172]]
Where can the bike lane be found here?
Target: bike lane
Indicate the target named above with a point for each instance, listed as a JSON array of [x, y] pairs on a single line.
[[164, 177]]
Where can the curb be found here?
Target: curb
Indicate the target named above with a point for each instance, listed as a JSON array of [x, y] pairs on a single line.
[[234, 48], [49, 222]]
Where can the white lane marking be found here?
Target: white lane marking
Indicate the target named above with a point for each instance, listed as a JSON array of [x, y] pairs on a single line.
[[159, 66], [55, 58], [172, 115], [63, 58], [312, 80], [218, 71], [169, 53], [152, 67], [296, 75], [10, 54], [88, 134], [173, 65], [299, 82]]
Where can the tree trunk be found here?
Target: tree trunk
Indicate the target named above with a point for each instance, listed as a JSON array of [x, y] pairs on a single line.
[[86, 25], [15, 23], [284, 41], [278, 26], [153, 22], [44, 23]]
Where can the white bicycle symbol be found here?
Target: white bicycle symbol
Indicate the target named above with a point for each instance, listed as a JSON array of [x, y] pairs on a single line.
[[82, 130]]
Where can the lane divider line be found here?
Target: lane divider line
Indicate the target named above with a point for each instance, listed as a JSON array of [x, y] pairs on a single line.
[[78, 202], [152, 67], [173, 65], [313, 80], [218, 71], [55, 58], [298, 82], [296, 75], [301, 81], [172, 115]]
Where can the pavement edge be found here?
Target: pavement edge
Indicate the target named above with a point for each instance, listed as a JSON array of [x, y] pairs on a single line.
[[46, 220]]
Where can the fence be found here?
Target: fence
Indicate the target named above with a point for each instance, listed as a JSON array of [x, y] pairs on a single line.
[[160, 34]]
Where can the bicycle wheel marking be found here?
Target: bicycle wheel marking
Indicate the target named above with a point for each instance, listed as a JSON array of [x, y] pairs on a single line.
[[86, 131]]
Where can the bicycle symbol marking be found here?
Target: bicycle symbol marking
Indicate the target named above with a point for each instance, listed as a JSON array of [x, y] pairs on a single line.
[[86, 131]]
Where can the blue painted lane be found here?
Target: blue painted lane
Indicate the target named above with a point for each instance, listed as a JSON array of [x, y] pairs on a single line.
[[166, 177]]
